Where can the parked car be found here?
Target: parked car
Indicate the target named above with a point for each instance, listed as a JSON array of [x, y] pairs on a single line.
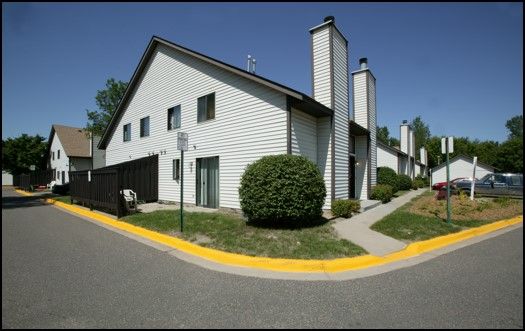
[[496, 185], [439, 185]]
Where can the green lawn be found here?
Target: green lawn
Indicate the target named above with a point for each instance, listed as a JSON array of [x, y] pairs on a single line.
[[316, 240], [424, 217]]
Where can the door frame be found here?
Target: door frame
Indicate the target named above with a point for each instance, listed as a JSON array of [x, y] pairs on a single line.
[[198, 197]]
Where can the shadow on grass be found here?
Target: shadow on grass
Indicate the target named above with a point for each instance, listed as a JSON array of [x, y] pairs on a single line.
[[288, 224]]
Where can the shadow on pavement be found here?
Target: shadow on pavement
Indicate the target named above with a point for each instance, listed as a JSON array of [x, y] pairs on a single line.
[[11, 202]]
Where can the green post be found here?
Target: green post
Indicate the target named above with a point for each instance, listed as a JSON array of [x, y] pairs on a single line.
[[181, 189], [448, 183]]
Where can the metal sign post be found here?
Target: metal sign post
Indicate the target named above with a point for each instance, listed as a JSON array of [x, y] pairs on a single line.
[[182, 145], [447, 146]]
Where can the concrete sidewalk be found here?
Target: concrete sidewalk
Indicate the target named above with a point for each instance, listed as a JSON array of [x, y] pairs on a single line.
[[357, 228]]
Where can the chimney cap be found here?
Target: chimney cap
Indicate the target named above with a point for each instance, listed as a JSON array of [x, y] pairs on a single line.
[[329, 18], [405, 121], [363, 60]]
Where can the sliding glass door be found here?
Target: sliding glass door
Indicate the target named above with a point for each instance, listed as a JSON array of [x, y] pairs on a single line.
[[208, 182]]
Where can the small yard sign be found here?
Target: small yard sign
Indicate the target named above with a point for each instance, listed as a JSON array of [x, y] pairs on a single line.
[[32, 167], [182, 141]]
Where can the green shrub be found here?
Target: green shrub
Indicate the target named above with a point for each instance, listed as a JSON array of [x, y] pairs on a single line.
[[426, 180], [404, 182], [418, 183], [282, 187], [382, 192], [345, 208], [387, 176], [502, 201]]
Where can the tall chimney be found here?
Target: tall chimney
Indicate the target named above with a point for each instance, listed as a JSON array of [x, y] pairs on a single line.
[[330, 87], [365, 114], [405, 139]]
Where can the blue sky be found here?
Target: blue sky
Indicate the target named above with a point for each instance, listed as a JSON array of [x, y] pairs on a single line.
[[457, 65]]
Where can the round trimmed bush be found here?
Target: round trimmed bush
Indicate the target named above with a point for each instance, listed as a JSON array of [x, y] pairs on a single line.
[[382, 192], [345, 208], [387, 176], [404, 181], [282, 187]]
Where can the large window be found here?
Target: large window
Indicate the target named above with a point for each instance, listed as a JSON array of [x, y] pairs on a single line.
[[127, 132], [53, 153], [206, 107], [58, 154], [144, 127], [176, 169], [174, 118]]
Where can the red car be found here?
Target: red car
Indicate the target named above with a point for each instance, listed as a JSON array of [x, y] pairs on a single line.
[[438, 186]]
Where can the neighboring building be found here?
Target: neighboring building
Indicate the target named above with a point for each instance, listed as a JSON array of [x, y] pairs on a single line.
[[397, 158], [71, 149], [460, 166], [7, 178]]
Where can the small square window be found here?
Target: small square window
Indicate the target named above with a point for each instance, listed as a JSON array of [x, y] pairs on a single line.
[[174, 118], [206, 107], [127, 132], [176, 169], [144, 127]]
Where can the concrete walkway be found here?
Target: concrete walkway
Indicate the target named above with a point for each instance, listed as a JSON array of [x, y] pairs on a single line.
[[357, 228]]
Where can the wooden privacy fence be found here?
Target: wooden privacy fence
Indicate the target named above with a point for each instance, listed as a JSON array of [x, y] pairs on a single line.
[[141, 176], [103, 191], [34, 178]]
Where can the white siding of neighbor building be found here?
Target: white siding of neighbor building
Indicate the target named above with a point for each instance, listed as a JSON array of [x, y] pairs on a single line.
[[80, 163], [372, 117], [340, 63], [304, 135], [250, 122], [461, 167], [57, 164], [362, 168], [387, 158], [321, 66], [403, 165], [99, 155], [7, 178]]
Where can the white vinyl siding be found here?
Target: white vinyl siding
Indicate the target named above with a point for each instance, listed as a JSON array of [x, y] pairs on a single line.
[[372, 127], [250, 122], [321, 66], [387, 158], [324, 155], [360, 115], [460, 167], [340, 63], [80, 163], [7, 178], [304, 135], [62, 163]]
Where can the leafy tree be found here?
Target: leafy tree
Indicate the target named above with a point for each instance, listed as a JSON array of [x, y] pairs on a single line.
[[21, 152], [421, 132], [510, 156], [393, 142], [382, 134], [515, 126], [107, 101]]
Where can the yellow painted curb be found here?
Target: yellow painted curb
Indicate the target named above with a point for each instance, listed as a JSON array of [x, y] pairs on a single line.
[[292, 265], [23, 192]]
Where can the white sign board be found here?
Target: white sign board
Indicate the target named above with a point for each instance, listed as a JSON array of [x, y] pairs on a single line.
[[450, 145], [472, 185], [182, 141]]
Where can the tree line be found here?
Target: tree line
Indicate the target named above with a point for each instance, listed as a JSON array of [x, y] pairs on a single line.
[[506, 156]]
